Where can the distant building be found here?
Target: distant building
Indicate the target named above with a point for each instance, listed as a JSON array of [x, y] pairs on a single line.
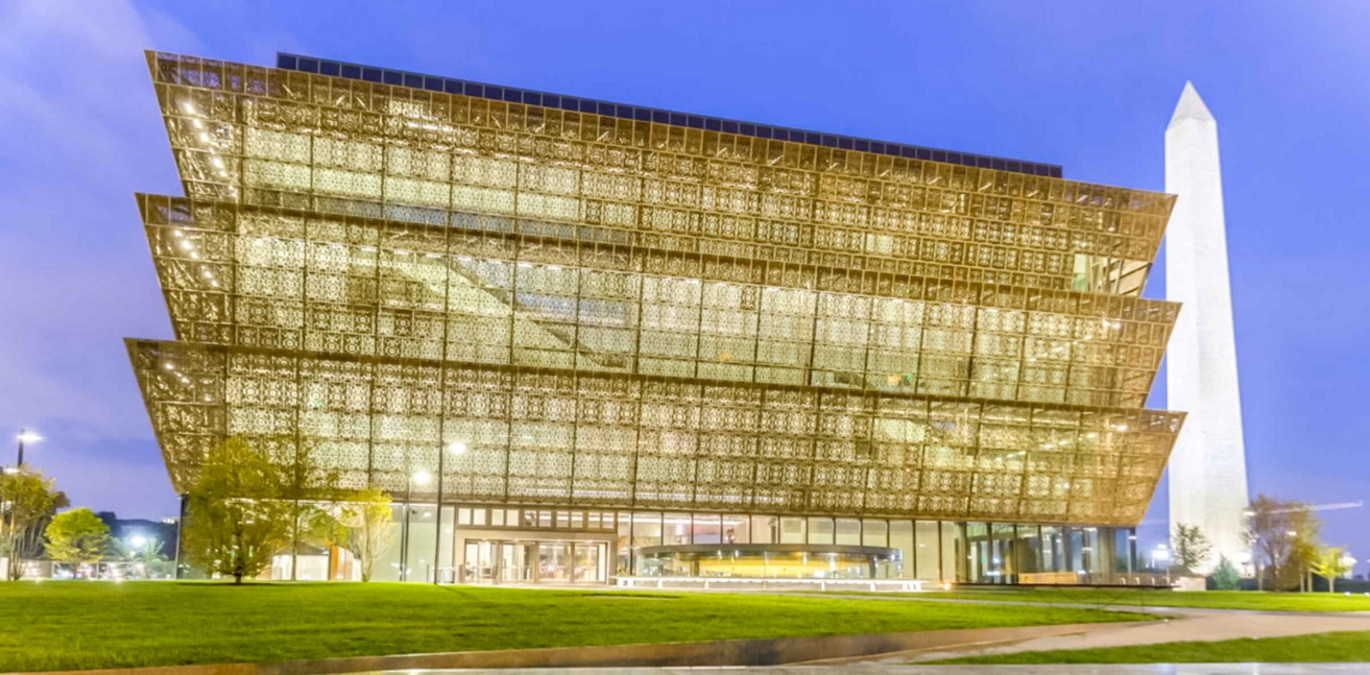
[[578, 340], [137, 533]]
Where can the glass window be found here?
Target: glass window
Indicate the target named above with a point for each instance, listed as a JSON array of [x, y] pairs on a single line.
[[497, 517], [463, 516], [387, 565], [708, 528], [646, 529], [1075, 554], [1001, 564], [1027, 551], [625, 546], [446, 572], [676, 529], [478, 517], [927, 549], [1089, 550], [423, 537], [820, 531], [736, 529], [849, 531], [953, 552], [901, 539], [977, 545], [791, 530], [1053, 549], [545, 520], [874, 533], [1125, 550], [765, 529]]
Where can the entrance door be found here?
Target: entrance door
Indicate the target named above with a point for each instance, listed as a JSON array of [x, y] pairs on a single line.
[[513, 568], [481, 562], [554, 562], [589, 557]]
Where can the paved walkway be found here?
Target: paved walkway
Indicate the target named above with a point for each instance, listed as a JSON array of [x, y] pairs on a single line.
[[1181, 624], [890, 669]]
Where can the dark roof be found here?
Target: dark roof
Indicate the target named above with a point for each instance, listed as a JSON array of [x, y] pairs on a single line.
[[353, 71]]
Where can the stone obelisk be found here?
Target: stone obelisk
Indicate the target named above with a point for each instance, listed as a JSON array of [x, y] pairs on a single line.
[[1208, 465]]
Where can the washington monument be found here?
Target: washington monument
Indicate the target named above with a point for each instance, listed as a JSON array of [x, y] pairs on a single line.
[[1208, 465]]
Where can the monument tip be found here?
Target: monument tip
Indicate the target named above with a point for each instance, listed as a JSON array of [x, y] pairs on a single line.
[[1191, 106]]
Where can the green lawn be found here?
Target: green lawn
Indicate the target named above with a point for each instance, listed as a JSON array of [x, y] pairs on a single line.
[[73, 624], [1290, 602], [1319, 647]]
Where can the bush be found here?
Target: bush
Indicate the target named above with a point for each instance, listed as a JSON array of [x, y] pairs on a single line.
[[1224, 577]]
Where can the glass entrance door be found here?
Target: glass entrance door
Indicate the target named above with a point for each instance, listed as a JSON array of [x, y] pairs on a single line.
[[588, 557], [554, 562], [514, 567], [530, 562], [481, 562]]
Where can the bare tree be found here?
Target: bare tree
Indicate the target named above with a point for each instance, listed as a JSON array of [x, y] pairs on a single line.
[[1283, 537]]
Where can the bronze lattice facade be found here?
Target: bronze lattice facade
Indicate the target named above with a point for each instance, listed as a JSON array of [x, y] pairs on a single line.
[[611, 307]]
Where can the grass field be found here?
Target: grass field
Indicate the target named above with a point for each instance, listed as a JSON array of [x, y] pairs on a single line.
[[1284, 602], [73, 625], [1301, 648]]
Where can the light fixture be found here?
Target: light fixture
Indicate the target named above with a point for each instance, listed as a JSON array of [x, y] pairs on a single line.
[[457, 448], [421, 478], [28, 437]]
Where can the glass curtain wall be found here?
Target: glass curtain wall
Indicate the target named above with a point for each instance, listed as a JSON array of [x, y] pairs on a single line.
[[975, 552]]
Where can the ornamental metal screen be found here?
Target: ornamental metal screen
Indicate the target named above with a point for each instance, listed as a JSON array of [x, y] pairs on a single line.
[[611, 312]]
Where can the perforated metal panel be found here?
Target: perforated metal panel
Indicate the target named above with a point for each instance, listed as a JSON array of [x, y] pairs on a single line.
[[614, 312]]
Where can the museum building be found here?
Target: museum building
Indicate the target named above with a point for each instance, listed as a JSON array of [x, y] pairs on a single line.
[[578, 340]]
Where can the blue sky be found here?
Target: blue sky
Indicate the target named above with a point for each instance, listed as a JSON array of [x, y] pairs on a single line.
[[1089, 85]]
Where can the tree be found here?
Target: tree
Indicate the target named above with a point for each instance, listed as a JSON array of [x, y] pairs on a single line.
[[1191, 548], [306, 484], [1329, 564], [77, 537], [1225, 576], [367, 528], [28, 499], [1282, 535], [236, 521], [1304, 551]]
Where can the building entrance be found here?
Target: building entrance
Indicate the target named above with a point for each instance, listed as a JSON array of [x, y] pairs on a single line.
[[494, 561]]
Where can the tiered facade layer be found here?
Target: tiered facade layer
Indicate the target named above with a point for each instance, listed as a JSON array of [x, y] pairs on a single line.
[[612, 312]]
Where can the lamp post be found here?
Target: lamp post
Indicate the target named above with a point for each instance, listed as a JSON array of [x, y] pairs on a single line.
[[25, 436], [456, 448]]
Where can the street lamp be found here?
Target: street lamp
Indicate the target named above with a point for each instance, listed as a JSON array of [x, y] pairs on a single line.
[[25, 436]]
